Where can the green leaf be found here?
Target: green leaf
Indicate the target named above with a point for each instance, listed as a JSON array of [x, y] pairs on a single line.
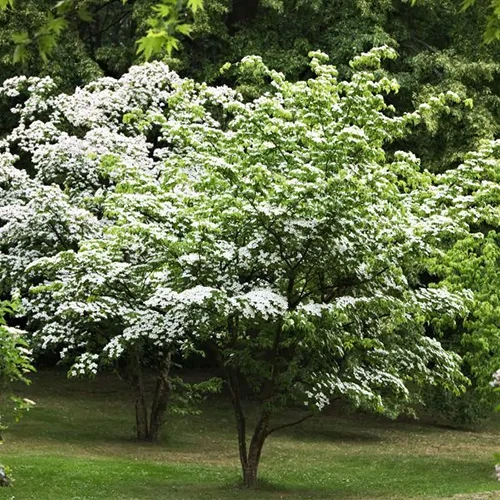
[[84, 14], [492, 32], [171, 44], [4, 4], [20, 54], [56, 24], [195, 5], [162, 9], [21, 38], [469, 103], [46, 44], [155, 22], [184, 29], [467, 4], [63, 6], [151, 44]]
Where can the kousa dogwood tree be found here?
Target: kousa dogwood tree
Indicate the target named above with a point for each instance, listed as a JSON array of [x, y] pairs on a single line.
[[52, 198], [276, 233]]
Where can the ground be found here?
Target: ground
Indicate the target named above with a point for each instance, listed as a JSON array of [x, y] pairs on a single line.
[[77, 444]]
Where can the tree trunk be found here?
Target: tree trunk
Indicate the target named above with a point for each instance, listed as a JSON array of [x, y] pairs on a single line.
[[254, 452], [250, 458], [250, 475], [141, 409], [160, 400], [148, 421]]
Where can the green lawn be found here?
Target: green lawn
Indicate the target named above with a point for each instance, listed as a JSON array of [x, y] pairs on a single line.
[[78, 444]]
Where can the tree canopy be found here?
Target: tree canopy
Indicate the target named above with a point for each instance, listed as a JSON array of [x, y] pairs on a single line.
[[278, 233]]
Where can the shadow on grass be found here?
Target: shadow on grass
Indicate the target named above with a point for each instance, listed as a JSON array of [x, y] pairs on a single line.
[[329, 434]]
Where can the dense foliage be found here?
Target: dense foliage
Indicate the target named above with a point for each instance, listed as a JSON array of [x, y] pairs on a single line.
[[472, 262], [165, 23], [15, 364], [165, 216], [440, 46]]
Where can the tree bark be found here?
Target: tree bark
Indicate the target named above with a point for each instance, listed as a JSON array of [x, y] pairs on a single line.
[[161, 399], [240, 418], [148, 419], [141, 409], [249, 457], [254, 452]]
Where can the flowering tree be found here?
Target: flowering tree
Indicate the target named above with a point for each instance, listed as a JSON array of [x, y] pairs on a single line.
[[277, 233], [69, 143]]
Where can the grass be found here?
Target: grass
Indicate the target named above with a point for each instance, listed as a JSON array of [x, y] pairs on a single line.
[[77, 444]]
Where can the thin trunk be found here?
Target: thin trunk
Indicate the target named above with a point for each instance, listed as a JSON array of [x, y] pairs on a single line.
[[249, 457], [240, 418], [254, 452], [148, 420], [141, 409], [160, 400]]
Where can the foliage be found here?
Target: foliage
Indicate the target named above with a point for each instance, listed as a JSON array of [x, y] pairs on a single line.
[[440, 48], [492, 31], [166, 24], [277, 231], [15, 364], [66, 203], [471, 194]]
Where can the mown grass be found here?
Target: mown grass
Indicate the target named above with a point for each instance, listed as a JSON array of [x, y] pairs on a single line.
[[77, 444]]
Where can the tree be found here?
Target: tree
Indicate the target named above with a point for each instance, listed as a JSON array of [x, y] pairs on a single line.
[[492, 30], [276, 232], [63, 205], [15, 364], [167, 21], [440, 49], [440, 46], [470, 194]]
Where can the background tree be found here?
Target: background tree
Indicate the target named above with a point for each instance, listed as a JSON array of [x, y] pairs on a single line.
[[54, 196], [167, 20], [469, 194], [440, 47]]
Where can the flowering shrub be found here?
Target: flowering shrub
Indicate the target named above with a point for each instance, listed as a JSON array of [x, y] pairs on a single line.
[[165, 216]]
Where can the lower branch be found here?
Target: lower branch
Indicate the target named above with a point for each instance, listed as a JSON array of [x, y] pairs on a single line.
[[289, 424]]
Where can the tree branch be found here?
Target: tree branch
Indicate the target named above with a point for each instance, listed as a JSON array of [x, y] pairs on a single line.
[[289, 424]]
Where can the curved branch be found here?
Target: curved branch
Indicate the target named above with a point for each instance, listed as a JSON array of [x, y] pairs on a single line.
[[290, 424]]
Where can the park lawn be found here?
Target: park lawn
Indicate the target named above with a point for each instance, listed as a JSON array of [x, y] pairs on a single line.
[[78, 444]]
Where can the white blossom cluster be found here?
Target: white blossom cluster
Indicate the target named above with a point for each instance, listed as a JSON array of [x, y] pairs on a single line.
[[496, 379], [85, 364], [497, 471]]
